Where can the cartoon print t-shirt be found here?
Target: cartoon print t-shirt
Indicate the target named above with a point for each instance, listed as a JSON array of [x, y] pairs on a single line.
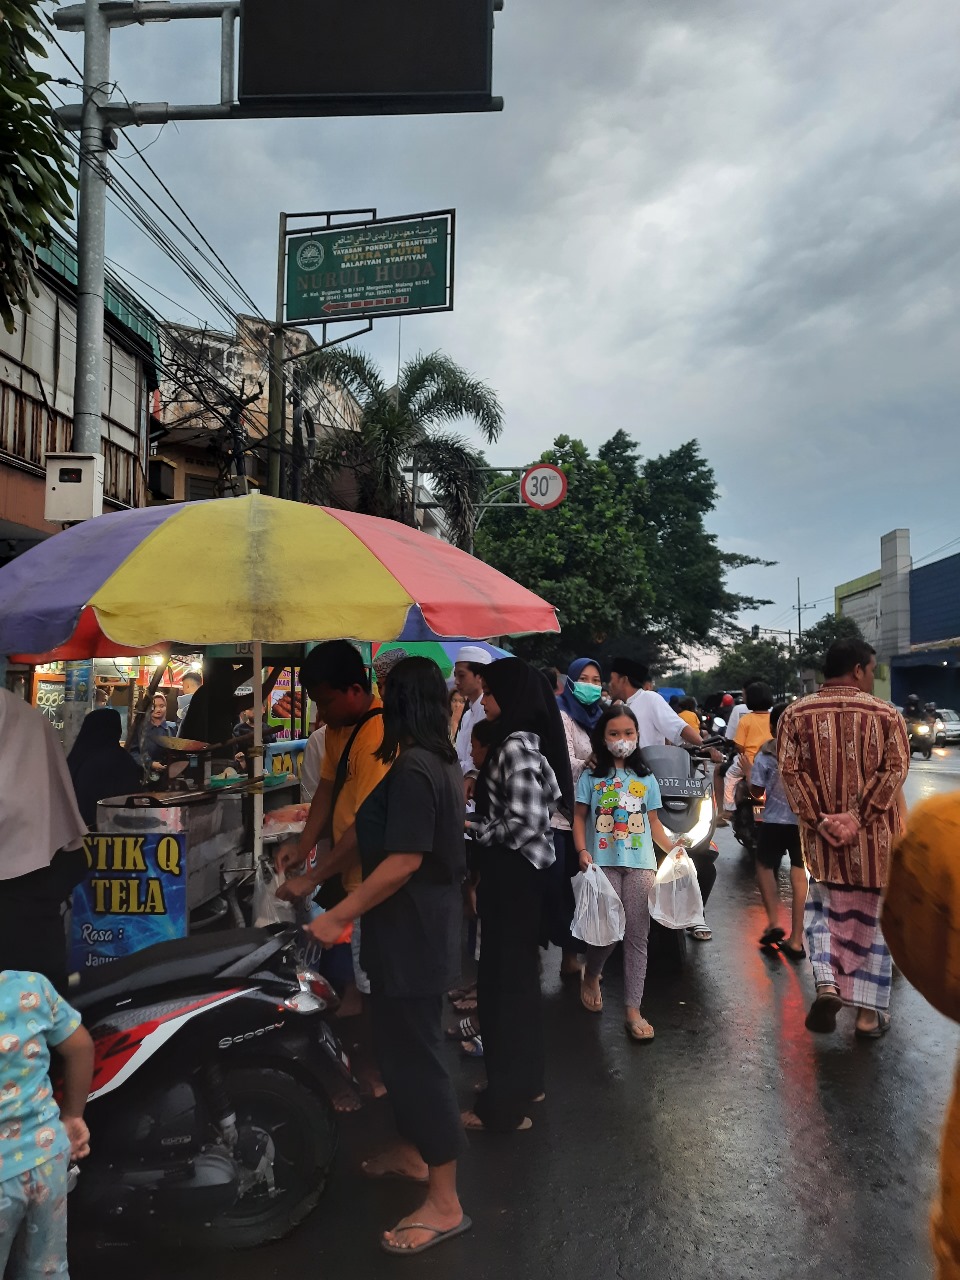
[[32, 1017], [618, 826]]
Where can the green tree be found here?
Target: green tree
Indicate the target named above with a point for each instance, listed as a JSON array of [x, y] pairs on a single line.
[[35, 171], [767, 660], [816, 640], [626, 558], [583, 556], [400, 426]]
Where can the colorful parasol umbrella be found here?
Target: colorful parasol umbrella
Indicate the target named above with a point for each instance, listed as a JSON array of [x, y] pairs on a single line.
[[443, 653], [250, 569]]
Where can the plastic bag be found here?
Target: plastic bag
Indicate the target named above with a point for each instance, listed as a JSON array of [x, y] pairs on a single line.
[[598, 918], [267, 907], [675, 899]]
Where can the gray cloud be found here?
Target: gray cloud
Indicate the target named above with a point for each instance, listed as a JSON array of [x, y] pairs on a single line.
[[730, 220]]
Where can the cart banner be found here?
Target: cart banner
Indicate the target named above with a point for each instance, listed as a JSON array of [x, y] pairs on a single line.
[[134, 894]]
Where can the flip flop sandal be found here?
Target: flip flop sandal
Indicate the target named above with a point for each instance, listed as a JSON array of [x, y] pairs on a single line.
[[472, 1048], [823, 1012], [700, 933], [772, 935], [793, 953], [639, 1029], [588, 1004], [465, 1029], [439, 1236], [881, 1029], [480, 1127]]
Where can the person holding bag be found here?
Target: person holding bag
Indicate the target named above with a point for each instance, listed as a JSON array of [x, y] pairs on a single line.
[[615, 826], [523, 779]]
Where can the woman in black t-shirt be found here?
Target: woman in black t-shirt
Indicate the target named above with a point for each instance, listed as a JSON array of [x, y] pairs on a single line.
[[410, 834]]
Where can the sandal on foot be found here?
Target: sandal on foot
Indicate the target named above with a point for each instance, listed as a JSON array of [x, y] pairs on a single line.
[[439, 1236], [465, 1029], [472, 1048], [772, 935], [823, 1012], [700, 933], [793, 953], [461, 993], [875, 1033], [639, 1029], [473, 1124], [591, 1006]]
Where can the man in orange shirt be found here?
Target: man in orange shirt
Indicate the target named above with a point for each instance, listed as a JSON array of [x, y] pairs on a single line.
[[336, 679]]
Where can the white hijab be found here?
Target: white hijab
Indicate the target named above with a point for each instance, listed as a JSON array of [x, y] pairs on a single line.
[[38, 808]]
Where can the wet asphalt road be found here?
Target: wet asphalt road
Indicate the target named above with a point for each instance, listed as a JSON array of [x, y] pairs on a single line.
[[734, 1145]]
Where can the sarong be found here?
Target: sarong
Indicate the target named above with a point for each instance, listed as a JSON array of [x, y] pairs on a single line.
[[845, 945]]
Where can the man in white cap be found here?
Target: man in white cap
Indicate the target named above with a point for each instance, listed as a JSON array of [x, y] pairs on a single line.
[[467, 672]]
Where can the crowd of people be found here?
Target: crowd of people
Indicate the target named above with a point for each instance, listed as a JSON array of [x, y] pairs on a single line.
[[429, 805]]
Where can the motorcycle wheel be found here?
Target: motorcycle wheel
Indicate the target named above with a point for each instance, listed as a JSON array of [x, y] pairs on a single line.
[[927, 753], [303, 1128]]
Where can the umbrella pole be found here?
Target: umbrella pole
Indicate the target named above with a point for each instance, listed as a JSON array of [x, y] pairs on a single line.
[[257, 751]]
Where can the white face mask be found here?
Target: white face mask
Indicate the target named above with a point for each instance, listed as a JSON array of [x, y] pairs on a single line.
[[620, 748]]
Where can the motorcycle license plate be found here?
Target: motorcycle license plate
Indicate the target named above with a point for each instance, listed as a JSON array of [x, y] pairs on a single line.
[[335, 1050], [676, 787]]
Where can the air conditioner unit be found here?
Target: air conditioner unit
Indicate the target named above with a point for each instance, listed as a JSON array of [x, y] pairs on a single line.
[[74, 487]]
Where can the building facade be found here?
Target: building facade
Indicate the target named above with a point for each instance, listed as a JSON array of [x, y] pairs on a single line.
[[911, 615], [37, 366]]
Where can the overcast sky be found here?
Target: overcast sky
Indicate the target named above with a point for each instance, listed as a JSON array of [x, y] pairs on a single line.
[[724, 219]]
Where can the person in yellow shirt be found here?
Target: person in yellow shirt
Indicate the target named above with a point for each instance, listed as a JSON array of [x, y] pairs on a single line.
[[921, 926], [336, 679], [688, 713], [754, 727]]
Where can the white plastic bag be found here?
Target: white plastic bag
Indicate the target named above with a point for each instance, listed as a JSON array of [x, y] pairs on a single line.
[[598, 919], [675, 899], [267, 907]]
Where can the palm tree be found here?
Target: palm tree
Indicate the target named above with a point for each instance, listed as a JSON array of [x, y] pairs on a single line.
[[403, 426]]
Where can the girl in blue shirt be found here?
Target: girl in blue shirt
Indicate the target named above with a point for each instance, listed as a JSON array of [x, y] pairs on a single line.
[[616, 825]]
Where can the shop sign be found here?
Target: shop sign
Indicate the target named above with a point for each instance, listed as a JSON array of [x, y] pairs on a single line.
[[134, 894]]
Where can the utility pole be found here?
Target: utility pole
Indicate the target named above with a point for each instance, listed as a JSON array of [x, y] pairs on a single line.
[[799, 642], [275, 423], [91, 233]]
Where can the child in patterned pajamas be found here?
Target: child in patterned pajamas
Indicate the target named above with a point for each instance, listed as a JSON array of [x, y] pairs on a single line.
[[37, 1139]]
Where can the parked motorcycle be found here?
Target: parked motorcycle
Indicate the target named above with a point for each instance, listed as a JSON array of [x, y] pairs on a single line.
[[209, 1112]]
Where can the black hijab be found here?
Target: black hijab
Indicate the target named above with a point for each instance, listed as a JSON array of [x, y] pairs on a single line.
[[98, 764], [527, 704]]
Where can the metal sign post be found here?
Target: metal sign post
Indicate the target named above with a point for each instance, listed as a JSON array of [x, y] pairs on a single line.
[[456, 83]]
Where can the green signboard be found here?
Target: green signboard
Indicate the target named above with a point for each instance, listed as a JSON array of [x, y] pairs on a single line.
[[387, 267]]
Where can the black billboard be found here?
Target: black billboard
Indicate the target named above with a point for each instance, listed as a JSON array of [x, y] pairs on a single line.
[[368, 55]]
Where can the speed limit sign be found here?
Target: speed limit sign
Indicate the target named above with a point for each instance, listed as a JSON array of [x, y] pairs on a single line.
[[543, 486]]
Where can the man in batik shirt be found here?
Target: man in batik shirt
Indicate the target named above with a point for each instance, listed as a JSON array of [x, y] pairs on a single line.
[[843, 758]]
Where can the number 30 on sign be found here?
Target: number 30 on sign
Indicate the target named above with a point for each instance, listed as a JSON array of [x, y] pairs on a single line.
[[543, 486]]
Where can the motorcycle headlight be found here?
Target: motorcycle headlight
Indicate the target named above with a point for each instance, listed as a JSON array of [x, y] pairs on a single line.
[[923, 730], [701, 828]]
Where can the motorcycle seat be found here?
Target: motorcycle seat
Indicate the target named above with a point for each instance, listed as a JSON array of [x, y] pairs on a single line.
[[165, 963]]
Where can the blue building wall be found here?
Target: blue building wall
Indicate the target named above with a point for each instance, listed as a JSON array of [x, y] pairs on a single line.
[[935, 601]]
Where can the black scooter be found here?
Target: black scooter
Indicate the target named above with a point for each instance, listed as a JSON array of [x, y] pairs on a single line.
[[209, 1113]]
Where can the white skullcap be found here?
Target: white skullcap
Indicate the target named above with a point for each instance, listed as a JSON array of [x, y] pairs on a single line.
[[473, 653]]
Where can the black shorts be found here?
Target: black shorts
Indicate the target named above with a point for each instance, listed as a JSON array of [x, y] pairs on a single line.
[[774, 839]]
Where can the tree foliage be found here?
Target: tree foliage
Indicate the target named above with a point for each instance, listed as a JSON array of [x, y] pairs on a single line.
[[400, 426], [626, 559], [817, 639], [35, 170]]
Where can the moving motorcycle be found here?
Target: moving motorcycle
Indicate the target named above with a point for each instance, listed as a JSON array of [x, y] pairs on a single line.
[[209, 1112], [921, 735], [688, 813]]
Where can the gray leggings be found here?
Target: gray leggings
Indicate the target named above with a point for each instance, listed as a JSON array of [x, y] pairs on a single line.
[[633, 889]]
